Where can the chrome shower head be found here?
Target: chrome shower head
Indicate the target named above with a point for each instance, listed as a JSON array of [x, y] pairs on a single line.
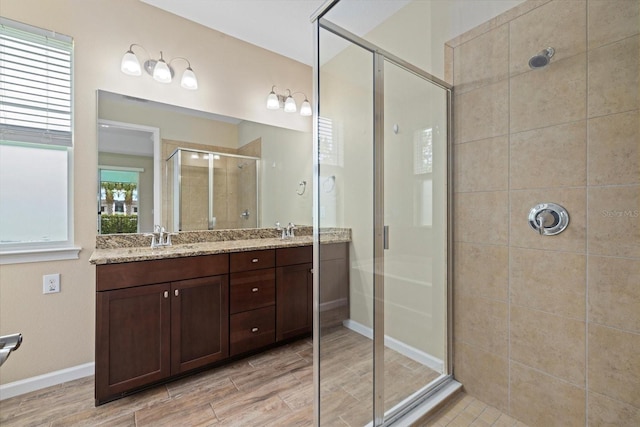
[[541, 59]]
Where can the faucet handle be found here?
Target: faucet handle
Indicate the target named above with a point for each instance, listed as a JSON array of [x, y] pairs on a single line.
[[292, 227], [154, 242], [277, 224]]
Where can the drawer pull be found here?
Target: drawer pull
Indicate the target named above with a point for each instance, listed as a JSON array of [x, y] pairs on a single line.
[[254, 330], [176, 292], [254, 260], [166, 294], [254, 290]]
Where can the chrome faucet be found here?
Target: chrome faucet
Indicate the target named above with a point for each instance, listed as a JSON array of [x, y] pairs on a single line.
[[288, 231], [160, 237]]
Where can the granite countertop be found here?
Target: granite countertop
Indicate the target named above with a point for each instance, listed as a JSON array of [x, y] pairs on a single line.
[[113, 249]]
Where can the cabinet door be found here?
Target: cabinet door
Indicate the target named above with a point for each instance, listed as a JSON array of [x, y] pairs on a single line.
[[294, 301], [199, 322], [334, 284], [132, 339]]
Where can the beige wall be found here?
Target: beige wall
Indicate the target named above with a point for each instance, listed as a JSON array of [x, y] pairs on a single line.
[[547, 328], [286, 159], [234, 78], [172, 124]]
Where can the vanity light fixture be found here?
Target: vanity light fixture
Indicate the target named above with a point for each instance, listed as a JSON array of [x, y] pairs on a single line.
[[275, 101], [160, 70]]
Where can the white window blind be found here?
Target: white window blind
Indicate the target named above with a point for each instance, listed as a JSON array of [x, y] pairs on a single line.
[[35, 85], [329, 150], [423, 151]]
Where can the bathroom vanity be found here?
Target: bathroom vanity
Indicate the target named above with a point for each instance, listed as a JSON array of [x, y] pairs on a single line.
[[204, 301]]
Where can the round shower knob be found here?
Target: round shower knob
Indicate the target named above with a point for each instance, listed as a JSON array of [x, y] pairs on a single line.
[[548, 219]]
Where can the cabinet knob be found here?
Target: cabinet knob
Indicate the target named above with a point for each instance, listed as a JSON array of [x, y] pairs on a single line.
[[254, 330], [176, 292], [254, 260], [166, 294], [254, 290]]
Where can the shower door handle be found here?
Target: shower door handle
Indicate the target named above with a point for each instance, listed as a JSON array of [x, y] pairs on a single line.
[[385, 237]]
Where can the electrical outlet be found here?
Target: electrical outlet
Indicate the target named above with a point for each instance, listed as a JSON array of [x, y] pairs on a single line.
[[51, 283]]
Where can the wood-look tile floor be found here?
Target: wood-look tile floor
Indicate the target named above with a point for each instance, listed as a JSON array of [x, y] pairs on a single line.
[[274, 388]]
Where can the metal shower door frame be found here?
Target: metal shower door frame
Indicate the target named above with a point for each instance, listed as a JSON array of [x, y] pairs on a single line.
[[379, 58]]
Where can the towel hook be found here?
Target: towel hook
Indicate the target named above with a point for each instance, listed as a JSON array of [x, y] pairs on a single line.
[[303, 185]]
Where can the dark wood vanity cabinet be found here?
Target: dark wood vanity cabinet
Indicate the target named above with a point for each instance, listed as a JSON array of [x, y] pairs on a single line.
[[334, 283], [199, 322], [148, 332], [294, 295], [133, 339], [158, 319], [253, 300]]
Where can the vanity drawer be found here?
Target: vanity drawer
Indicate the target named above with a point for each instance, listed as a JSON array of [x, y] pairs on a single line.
[[292, 256], [252, 260], [253, 329], [252, 289]]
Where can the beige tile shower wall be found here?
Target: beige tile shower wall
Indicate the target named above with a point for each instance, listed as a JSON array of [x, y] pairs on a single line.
[[548, 328]]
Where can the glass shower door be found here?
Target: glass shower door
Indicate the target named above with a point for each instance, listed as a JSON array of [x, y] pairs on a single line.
[[345, 200], [382, 138], [411, 207]]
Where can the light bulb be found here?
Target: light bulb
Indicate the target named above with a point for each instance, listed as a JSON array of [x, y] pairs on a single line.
[[189, 80], [130, 64], [305, 108], [272, 101], [161, 72], [290, 105]]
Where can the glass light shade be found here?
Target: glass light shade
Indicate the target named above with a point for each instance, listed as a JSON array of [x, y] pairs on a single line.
[[272, 101], [130, 64], [161, 72], [189, 80], [290, 105], [305, 108]]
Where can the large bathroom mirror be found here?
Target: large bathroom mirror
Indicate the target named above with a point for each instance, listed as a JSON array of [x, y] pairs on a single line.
[[266, 168]]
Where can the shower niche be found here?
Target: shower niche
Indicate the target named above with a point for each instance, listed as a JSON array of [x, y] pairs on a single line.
[[210, 191]]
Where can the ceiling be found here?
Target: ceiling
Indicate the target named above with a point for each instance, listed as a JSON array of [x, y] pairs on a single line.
[[281, 26]]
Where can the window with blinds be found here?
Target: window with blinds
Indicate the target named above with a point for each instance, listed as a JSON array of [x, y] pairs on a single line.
[[35, 85], [36, 215]]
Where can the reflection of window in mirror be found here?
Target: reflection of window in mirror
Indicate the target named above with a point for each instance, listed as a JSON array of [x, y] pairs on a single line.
[[329, 147], [119, 200], [423, 172]]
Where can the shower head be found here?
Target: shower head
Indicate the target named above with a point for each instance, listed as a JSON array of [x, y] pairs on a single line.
[[541, 59]]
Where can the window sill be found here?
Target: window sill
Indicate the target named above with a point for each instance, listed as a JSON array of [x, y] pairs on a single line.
[[39, 255]]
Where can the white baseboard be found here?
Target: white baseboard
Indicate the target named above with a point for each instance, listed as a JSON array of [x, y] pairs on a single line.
[[46, 380], [402, 348]]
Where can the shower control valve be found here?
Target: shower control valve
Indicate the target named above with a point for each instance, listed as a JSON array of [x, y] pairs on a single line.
[[548, 219]]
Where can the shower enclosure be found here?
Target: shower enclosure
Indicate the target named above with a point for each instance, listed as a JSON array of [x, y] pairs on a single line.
[[382, 137], [209, 190]]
